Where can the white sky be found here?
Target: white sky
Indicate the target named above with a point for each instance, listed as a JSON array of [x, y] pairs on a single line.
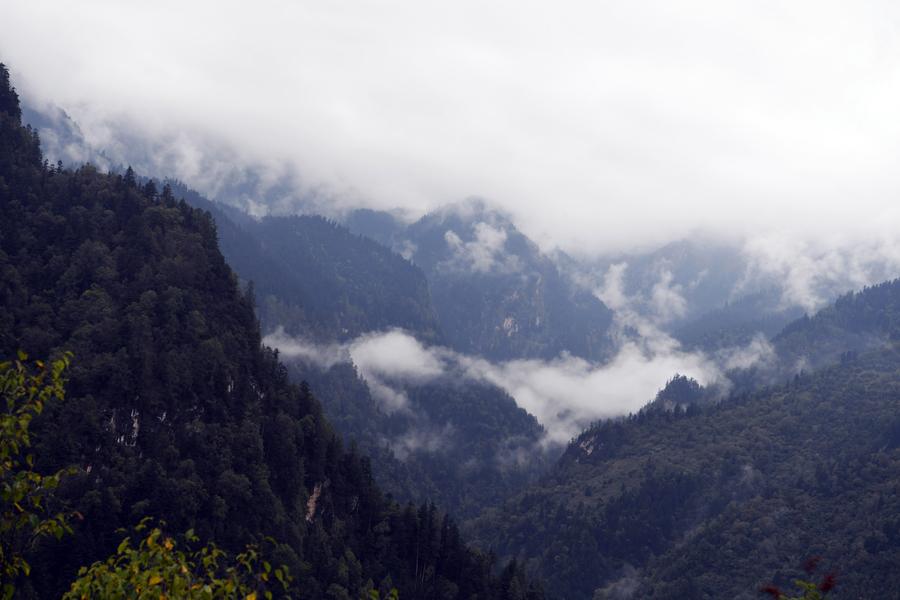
[[599, 125]]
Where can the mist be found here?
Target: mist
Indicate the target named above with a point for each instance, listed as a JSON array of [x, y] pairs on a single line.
[[565, 394], [599, 127]]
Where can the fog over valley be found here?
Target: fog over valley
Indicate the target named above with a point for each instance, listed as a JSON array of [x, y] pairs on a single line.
[[450, 301]]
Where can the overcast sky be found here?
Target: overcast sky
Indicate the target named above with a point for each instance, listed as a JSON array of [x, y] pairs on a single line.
[[599, 125]]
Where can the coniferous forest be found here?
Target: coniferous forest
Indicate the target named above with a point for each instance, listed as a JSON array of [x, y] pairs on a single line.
[[174, 411], [223, 380]]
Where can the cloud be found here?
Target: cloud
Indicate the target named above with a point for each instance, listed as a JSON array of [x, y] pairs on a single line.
[[641, 319], [666, 300], [323, 356], [757, 352], [395, 354], [599, 126], [568, 393], [810, 274], [393, 357], [419, 438], [483, 254], [565, 394], [381, 359]]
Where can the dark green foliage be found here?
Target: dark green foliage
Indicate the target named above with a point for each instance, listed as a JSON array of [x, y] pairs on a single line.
[[173, 409], [712, 502], [462, 445], [479, 446], [681, 393], [856, 322], [9, 99], [315, 278], [348, 280], [26, 496]]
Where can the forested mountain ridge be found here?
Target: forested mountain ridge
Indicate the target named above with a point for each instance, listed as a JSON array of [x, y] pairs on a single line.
[[314, 278], [855, 322], [715, 503], [716, 500], [479, 437], [369, 287], [496, 294], [174, 410], [463, 445]]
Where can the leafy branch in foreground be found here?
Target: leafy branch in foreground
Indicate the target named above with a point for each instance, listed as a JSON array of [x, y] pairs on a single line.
[[24, 493], [156, 568], [809, 590]]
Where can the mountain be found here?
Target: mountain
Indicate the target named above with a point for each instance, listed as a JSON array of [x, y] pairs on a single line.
[[737, 322], [378, 225], [856, 322], [349, 280], [717, 500], [683, 279], [496, 294], [316, 280], [174, 410], [464, 445]]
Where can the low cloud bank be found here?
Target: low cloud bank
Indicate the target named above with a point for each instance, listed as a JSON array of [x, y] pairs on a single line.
[[568, 393], [565, 394], [809, 274]]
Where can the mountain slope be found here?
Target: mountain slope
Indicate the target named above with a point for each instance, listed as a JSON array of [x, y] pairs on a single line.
[[715, 501], [496, 294], [461, 444], [856, 322], [313, 277], [174, 410], [350, 280], [323, 283]]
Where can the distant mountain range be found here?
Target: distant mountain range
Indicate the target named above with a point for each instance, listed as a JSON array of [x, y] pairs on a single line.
[[708, 492]]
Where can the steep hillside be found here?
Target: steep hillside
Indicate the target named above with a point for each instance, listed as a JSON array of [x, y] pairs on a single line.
[[315, 278], [713, 500], [713, 503], [349, 280], [736, 323], [324, 284], [700, 275], [461, 444], [496, 294], [856, 322], [174, 410]]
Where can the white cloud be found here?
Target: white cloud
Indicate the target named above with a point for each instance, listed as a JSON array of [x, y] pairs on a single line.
[[485, 253], [565, 394], [810, 274], [380, 358], [757, 352], [420, 439], [395, 354], [569, 393], [666, 300], [597, 125], [323, 356]]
